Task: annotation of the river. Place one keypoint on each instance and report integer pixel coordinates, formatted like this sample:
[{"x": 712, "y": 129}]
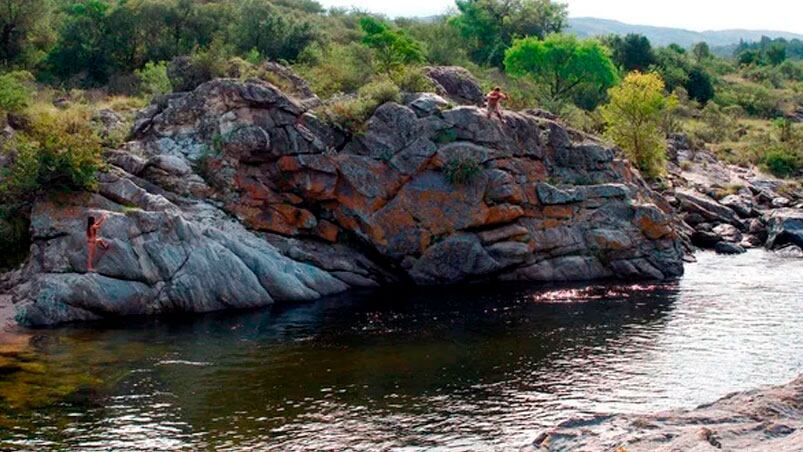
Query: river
[{"x": 474, "y": 368}]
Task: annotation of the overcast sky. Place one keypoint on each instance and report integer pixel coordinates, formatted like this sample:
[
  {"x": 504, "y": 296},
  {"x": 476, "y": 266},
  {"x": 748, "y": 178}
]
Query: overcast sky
[{"x": 699, "y": 15}]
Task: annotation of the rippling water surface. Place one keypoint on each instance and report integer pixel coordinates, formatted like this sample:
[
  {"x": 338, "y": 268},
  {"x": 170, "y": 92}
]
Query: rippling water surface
[{"x": 482, "y": 368}]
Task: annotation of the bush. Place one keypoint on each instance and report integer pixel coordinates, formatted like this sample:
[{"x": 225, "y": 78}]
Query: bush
[
  {"x": 60, "y": 151},
  {"x": 461, "y": 169},
  {"x": 782, "y": 161},
  {"x": 336, "y": 68},
  {"x": 756, "y": 100},
  {"x": 153, "y": 79},
  {"x": 16, "y": 89},
  {"x": 412, "y": 79},
  {"x": 352, "y": 113}
]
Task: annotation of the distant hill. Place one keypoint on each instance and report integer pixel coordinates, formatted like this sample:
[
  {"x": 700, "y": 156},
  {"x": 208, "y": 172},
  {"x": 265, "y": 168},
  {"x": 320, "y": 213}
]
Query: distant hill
[{"x": 663, "y": 36}]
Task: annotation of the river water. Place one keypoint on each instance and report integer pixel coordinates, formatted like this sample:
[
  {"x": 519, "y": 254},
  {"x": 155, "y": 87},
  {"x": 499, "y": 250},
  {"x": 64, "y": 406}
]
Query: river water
[{"x": 479, "y": 368}]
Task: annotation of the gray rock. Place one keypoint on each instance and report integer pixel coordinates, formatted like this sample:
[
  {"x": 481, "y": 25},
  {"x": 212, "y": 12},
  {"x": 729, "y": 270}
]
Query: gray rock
[
  {"x": 728, "y": 233},
  {"x": 456, "y": 83},
  {"x": 427, "y": 104},
  {"x": 741, "y": 205},
  {"x": 785, "y": 227},
  {"x": 728, "y": 248}
]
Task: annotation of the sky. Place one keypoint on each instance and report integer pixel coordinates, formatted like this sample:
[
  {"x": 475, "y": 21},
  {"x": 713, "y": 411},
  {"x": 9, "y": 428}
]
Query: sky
[{"x": 698, "y": 15}]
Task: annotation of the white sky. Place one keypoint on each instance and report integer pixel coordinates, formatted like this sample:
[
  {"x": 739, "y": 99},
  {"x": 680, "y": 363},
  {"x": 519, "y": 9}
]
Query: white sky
[{"x": 699, "y": 15}]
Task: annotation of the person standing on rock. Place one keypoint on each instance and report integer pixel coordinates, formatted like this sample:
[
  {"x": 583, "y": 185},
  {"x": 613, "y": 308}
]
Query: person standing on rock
[
  {"x": 493, "y": 99},
  {"x": 92, "y": 240}
]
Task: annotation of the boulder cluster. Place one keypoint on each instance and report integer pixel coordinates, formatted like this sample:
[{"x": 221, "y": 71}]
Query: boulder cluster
[
  {"x": 237, "y": 194},
  {"x": 730, "y": 209}
]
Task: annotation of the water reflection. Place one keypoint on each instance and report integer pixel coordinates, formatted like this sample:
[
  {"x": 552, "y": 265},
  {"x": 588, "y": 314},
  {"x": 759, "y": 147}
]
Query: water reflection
[{"x": 480, "y": 367}]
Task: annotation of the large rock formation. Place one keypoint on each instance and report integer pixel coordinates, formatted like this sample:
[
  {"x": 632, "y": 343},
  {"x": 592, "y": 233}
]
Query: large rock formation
[{"x": 234, "y": 195}]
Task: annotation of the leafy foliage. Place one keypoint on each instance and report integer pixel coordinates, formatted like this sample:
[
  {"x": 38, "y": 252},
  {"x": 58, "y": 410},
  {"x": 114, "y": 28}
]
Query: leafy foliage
[
  {"x": 153, "y": 79},
  {"x": 631, "y": 53},
  {"x": 392, "y": 49},
  {"x": 489, "y": 27},
  {"x": 563, "y": 64},
  {"x": 59, "y": 151},
  {"x": 634, "y": 115},
  {"x": 15, "y": 90},
  {"x": 351, "y": 113},
  {"x": 461, "y": 169}
]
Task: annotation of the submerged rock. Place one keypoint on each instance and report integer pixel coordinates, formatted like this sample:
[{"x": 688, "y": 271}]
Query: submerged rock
[{"x": 235, "y": 195}]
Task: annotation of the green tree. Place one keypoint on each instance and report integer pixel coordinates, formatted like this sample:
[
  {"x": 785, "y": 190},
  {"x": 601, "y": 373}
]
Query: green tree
[
  {"x": 565, "y": 65},
  {"x": 699, "y": 85},
  {"x": 776, "y": 54},
  {"x": 634, "y": 116},
  {"x": 392, "y": 49},
  {"x": 24, "y": 30},
  {"x": 490, "y": 26},
  {"x": 631, "y": 53},
  {"x": 701, "y": 52},
  {"x": 275, "y": 35},
  {"x": 16, "y": 89},
  {"x": 81, "y": 42}
]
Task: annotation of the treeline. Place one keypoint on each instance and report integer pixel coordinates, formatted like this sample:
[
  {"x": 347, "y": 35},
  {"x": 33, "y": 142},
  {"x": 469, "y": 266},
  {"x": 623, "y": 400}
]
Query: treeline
[{"x": 124, "y": 46}]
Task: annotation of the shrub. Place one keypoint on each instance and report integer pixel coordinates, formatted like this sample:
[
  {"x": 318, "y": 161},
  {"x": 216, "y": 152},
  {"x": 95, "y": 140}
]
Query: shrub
[
  {"x": 412, "y": 79},
  {"x": 461, "y": 169},
  {"x": 782, "y": 161},
  {"x": 756, "y": 100},
  {"x": 335, "y": 68},
  {"x": 60, "y": 151},
  {"x": 16, "y": 89},
  {"x": 352, "y": 112},
  {"x": 153, "y": 79}
]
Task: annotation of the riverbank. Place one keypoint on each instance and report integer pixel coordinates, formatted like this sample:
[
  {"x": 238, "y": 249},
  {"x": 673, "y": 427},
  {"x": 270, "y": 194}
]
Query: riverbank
[{"x": 767, "y": 419}]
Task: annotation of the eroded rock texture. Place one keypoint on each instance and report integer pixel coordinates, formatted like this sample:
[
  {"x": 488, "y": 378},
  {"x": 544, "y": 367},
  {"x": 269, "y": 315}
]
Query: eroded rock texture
[{"x": 234, "y": 195}]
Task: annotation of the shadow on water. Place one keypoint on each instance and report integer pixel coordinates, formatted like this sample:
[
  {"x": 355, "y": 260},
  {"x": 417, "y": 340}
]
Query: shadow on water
[{"x": 397, "y": 353}]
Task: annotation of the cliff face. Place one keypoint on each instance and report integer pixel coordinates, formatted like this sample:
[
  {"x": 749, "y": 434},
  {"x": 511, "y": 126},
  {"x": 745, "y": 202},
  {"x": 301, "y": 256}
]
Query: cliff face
[{"x": 234, "y": 195}]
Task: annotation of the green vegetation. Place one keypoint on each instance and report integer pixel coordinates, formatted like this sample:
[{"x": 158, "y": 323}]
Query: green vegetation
[
  {"x": 564, "y": 65},
  {"x": 15, "y": 91},
  {"x": 461, "y": 169},
  {"x": 634, "y": 115}
]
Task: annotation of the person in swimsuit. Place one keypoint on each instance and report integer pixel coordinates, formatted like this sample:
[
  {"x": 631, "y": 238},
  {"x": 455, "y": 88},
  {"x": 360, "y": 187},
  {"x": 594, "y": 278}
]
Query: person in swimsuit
[
  {"x": 494, "y": 98},
  {"x": 93, "y": 241}
]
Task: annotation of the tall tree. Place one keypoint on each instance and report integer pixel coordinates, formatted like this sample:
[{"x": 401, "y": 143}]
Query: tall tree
[
  {"x": 564, "y": 64},
  {"x": 392, "y": 48},
  {"x": 490, "y": 26},
  {"x": 23, "y": 30},
  {"x": 701, "y": 52},
  {"x": 631, "y": 53},
  {"x": 634, "y": 116}
]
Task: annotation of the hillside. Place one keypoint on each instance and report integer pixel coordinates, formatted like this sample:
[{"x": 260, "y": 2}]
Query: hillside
[{"x": 663, "y": 36}]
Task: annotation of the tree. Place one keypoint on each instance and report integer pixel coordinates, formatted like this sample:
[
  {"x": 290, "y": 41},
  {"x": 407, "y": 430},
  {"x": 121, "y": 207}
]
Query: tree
[
  {"x": 564, "y": 64},
  {"x": 701, "y": 52},
  {"x": 631, "y": 53},
  {"x": 275, "y": 35},
  {"x": 24, "y": 30},
  {"x": 634, "y": 116},
  {"x": 776, "y": 54},
  {"x": 392, "y": 49},
  {"x": 490, "y": 26},
  {"x": 699, "y": 85}
]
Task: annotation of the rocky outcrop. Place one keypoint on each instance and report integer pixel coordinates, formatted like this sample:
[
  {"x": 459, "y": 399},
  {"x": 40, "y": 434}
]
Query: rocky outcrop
[
  {"x": 456, "y": 83},
  {"x": 767, "y": 420},
  {"x": 235, "y": 195},
  {"x": 728, "y": 208}
]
